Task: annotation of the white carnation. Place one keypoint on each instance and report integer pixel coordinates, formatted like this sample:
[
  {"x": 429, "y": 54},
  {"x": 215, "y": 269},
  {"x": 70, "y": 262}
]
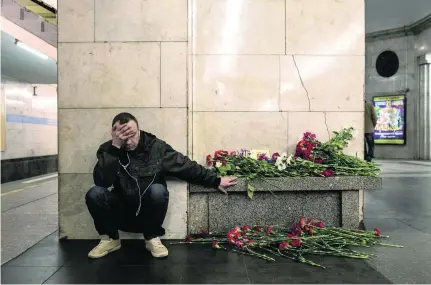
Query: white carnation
[
  {"x": 289, "y": 159},
  {"x": 279, "y": 161},
  {"x": 281, "y": 166}
]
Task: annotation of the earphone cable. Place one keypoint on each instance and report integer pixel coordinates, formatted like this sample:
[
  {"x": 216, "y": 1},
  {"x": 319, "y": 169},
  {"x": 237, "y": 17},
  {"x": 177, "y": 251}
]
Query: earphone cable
[{"x": 137, "y": 183}]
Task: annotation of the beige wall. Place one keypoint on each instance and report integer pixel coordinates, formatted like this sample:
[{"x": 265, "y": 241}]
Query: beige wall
[
  {"x": 37, "y": 134},
  {"x": 203, "y": 75}
]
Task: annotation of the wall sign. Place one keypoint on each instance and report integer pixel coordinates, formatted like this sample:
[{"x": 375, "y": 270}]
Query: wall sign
[
  {"x": 255, "y": 153},
  {"x": 391, "y": 120}
]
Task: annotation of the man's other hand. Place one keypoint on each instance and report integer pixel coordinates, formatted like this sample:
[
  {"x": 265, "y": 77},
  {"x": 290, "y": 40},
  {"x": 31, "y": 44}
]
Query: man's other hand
[{"x": 225, "y": 183}]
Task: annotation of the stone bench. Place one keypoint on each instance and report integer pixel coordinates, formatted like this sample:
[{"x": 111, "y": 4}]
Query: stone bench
[{"x": 338, "y": 201}]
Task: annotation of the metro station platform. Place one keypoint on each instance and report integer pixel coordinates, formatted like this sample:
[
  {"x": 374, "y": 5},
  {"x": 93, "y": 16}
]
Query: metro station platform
[{"x": 31, "y": 252}]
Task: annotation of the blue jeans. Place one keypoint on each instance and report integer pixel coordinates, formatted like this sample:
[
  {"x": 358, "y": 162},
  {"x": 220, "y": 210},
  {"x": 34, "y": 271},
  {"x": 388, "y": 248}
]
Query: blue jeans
[{"x": 111, "y": 213}]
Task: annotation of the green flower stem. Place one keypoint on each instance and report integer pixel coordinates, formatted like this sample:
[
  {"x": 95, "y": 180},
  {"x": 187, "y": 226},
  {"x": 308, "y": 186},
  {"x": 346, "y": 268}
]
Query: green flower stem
[
  {"x": 355, "y": 232},
  {"x": 248, "y": 253},
  {"x": 191, "y": 242},
  {"x": 348, "y": 235},
  {"x": 331, "y": 251},
  {"x": 296, "y": 258},
  {"x": 302, "y": 259},
  {"x": 260, "y": 255},
  {"x": 391, "y": 245},
  {"x": 363, "y": 256},
  {"x": 324, "y": 241},
  {"x": 338, "y": 250}
]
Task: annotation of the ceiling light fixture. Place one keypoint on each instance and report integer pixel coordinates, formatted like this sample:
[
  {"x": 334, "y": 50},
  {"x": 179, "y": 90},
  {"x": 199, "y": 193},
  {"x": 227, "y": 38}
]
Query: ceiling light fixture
[{"x": 29, "y": 49}]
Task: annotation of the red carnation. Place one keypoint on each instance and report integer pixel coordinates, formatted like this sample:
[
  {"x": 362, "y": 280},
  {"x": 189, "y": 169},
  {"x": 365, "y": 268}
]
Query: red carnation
[
  {"x": 257, "y": 228},
  {"x": 262, "y": 156},
  {"x": 223, "y": 162},
  {"x": 220, "y": 154},
  {"x": 319, "y": 224},
  {"x": 189, "y": 238},
  {"x": 302, "y": 222},
  {"x": 304, "y": 149},
  {"x": 289, "y": 236},
  {"x": 309, "y": 135},
  {"x": 215, "y": 244},
  {"x": 208, "y": 160},
  {"x": 232, "y": 234},
  {"x": 310, "y": 230},
  {"x": 245, "y": 228},
  {"x": 295, "y": 243},
  {"x": 318, "y": 160},
  {"x": 377, "y": 231},
  {"x": 268, "y": 230},
  {"x": 283, "y": 245},
  {"x": 274, "y": 156},
  {"x": 297, "y": 231},
  {"x": 328, "y": 173}
]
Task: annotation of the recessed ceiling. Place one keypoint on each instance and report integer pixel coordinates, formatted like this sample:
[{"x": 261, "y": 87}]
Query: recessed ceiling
[
  {"x": 40, "y": 8},
  {"x": 24, "y": 65},
  {"x": 388, "y": 14}
]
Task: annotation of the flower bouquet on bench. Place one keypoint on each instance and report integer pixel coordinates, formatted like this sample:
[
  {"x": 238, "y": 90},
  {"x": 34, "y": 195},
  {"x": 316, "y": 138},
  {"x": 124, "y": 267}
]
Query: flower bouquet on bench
[{"x": 311, "y": 158}]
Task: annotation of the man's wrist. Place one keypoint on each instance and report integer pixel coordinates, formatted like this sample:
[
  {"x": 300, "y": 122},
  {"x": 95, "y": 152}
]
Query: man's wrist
[
  {"x": 217, "y": 182},
  {"x": 117, "y": 145},
  {"x": 114, "y": 150}
]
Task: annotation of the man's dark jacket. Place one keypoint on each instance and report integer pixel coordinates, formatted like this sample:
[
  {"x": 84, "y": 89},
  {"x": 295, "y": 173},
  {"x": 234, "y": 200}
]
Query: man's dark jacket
[{"x": 149, "y": 163}]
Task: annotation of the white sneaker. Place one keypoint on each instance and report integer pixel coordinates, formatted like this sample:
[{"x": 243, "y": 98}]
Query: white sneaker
[
  {"x": 105, "y": 246},
  {"x": 156, "y": 247}
]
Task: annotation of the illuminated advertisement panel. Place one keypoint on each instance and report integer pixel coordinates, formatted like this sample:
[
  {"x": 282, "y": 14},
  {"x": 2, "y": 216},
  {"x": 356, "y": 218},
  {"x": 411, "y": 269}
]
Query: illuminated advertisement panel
[{"x": 391, "y": 120}]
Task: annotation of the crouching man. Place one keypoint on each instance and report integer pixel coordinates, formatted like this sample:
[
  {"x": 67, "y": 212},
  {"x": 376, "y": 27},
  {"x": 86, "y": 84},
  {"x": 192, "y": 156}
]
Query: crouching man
[{"x": 134, "y": 163}]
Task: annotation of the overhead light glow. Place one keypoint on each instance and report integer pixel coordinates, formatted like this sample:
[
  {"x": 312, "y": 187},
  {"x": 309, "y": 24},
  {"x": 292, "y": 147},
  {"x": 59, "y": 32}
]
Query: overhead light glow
[{"x": 29, "y": 49}]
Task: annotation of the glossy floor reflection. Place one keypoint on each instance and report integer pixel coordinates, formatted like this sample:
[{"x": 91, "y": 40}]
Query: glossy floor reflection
[
  {"x": 401, "y": 210},
  {"x": 67, "y": 262},
  {"x": 29, "y": 212}
]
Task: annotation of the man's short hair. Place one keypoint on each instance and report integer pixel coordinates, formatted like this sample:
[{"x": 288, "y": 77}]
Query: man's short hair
[{"x": 124, "y": 118}]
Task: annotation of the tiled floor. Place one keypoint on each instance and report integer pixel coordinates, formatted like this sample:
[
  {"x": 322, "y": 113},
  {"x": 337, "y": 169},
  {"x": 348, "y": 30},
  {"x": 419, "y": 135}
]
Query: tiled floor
[
  {"x": 29, "y": 213},
  {"x": 67, "y": 262},
  {"x": 401, "y": 209}
]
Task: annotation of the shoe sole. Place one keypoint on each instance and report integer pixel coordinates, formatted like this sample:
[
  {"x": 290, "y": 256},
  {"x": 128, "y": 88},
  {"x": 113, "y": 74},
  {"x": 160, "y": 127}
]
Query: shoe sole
[
  {"x": 106, "y": 252},
  {"x": 157, "y": 256}
]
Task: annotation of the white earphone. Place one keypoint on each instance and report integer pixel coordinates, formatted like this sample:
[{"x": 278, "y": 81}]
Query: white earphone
[{"x": 137, "y": 183}]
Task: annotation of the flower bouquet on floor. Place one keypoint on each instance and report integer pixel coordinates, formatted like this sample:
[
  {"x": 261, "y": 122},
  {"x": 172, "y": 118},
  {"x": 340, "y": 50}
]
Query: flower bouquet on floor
[{"x": 307, "y": 237}]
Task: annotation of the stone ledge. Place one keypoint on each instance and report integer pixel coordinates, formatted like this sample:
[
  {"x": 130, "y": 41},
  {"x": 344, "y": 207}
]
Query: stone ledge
[{"x": 341, "y": 183}]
